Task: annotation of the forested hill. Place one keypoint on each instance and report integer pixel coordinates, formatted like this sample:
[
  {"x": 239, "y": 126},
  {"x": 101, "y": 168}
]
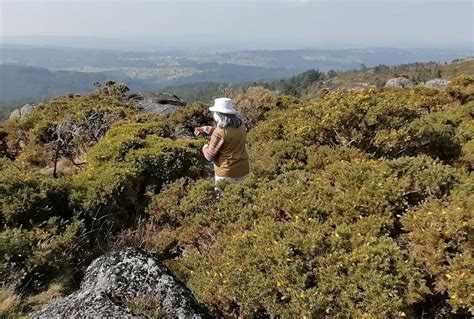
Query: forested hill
[
  {"x": 308, "y": 84},
  {"x": 358, "y": 205},
  {"x": 19, "y": 82}
]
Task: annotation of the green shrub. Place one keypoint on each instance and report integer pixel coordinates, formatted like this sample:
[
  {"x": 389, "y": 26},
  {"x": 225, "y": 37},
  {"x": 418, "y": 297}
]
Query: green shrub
[
  {"x": 467, "y": 157},
  {"x": 185, "y": 119},
  {"x": 28, "y": 198},
  {"x": 180, "y": 199},
  {"x": 66, "y": 126},
  {"x": 292, "y": 269},
  {"x": 385, "y": 123},
  {"x": 462, "y": 88},
  {"x": 320, "y": 157},
  {"x": 375, "y": 280},
  {"x": 315, "y": 243},
  {"x": 58, "y": 244},
  {"x": 277, "y": 157},
  {"x": 439, "y": 235},
  {"x": 125, "y": 164},
  {"x": 358, "y": 205},
  {"x": 252, "y": 104},
  {"x": 32, "y": 258},
  {"x": 15, "y": 248}
]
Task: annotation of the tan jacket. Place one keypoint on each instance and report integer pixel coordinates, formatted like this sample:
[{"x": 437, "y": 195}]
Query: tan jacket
[{"x": 232, "y": 159}]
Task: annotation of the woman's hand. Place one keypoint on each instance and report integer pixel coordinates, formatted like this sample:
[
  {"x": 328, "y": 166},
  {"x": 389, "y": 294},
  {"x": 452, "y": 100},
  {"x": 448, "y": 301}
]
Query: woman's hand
[{"x": 203, "y": 129}]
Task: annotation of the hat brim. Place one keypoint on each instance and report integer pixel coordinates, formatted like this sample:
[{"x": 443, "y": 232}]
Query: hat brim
[{"x": 214, "y": 109}]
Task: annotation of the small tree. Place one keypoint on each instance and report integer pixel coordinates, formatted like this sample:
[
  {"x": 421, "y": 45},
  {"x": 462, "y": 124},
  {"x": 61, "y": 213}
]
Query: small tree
[{"x": 60, "y": 137}]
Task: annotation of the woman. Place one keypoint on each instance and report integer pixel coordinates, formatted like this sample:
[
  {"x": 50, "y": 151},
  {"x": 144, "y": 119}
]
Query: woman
[{"x": 227, "y": 145}]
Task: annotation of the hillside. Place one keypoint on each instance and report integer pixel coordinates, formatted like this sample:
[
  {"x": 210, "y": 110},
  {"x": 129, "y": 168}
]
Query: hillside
[
  {"x": 65, "y": 70},
  {"x": 308, "y": 84},
  {"x": 21, "y": 82},
  {"x": 359, "y": 203},
  {"x": 417, "y": 72}
]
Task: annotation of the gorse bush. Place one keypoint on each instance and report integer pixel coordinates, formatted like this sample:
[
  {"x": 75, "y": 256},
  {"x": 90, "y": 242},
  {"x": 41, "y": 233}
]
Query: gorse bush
[
  {"x": 28, "y": 198},
  {"x": 278, "y": 156},
  {"x": 388, "y": 123},
  {"x": 52, "y": 224},
  {"x": 323, "y": 227},
  {"x": 358, "y": 205},
  {"x": 252, "y": 104},
  {"x": 439, "y": 234},
  {"x": 306, "y": 243},
  {"x": 65, "y": 127},
  {"x": 186, "y": 119},
  {"x": 255, "y": 253}
]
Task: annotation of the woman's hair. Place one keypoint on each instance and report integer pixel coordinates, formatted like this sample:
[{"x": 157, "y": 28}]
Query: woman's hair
[{"x": 225, "y": 120}]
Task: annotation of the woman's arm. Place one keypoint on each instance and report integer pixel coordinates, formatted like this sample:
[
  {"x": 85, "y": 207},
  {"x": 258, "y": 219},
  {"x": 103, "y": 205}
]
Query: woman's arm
[
  {"x": 211, "y": 150},
  {"x": 203, "y": 129}
]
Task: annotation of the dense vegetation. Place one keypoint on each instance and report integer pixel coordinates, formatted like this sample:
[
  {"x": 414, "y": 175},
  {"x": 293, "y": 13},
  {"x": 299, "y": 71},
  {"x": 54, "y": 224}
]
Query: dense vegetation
[{"x": 359, "y": 203}]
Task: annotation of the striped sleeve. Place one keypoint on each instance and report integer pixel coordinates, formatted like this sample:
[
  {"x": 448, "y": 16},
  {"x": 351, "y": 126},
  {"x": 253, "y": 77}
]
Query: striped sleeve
[
  {"x": 209, "y": 130},
  {"x": 215, "y": 145}
]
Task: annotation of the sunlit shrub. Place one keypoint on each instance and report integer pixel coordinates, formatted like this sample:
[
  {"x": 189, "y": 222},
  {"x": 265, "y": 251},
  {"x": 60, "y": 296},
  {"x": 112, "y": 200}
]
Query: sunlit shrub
[
  {"x": 292, "y": 269},
  {"x": 303, "y": 243},
  {"x": 129, "y": 161},
  {"x": 320, "y": 157},
  {"x": 439, "y": 235},
  {"x": 252, "y": 104},
  {"x": 185, "y": 119},
  {"x": 385, "y": 123},
  {"x": 276, "y": 157},
  {"x": 462, "y": 88},
  {"x": 180, "y": 199}
]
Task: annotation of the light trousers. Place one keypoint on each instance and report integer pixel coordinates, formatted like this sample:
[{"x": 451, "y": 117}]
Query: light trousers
[{"x": 217, "y": 179}]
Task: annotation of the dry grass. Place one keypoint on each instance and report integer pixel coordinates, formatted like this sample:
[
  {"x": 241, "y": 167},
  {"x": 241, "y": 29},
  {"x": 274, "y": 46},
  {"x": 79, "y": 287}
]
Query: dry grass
[
  {"x": 9, "y": 303},
  {"x": 453, "y": 70},
  {"x": 148, "y": 306},
  {"x": 54, "y": 291},
  {"x": 145, "y": 235},
  {"x": 14, "y": 306}
]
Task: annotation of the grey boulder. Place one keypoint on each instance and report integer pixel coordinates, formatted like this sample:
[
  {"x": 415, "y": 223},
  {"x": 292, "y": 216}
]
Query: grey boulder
[
  {"x": 400, "y": 82},
  {"x": 114, "y": 281},
  {"x": 157, "y": 103},
  {"x": 15, "y": 114},
  {"x": 23, "y": 111},
  {"x": 437, "y": 83}
]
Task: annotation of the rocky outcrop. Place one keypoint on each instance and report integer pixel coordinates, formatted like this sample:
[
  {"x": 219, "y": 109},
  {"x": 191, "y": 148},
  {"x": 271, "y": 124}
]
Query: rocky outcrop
[
  {"x": 400, "y": 82},
  {"x": 15, "y": 114},
  {"x": 157, "y": 103},
  {"x": 437, "y": 83},
  {"x": 114, "y": 282},
  {"x": 23, "y": 111}
]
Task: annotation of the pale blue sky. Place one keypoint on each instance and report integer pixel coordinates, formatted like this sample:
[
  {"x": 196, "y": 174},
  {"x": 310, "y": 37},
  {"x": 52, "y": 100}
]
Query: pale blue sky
[{"x": 288, "y": 23}]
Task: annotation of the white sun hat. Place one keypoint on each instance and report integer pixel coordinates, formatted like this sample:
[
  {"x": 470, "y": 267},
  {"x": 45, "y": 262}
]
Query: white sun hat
[{"x": 223, "y": 105}]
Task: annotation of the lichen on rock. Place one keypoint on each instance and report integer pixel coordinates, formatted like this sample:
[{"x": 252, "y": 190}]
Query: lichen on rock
[{"x": 113, "y": 281}]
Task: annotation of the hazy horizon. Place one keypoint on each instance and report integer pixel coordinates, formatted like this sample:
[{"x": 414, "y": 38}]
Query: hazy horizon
[{"x": 232, "y": 25}]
